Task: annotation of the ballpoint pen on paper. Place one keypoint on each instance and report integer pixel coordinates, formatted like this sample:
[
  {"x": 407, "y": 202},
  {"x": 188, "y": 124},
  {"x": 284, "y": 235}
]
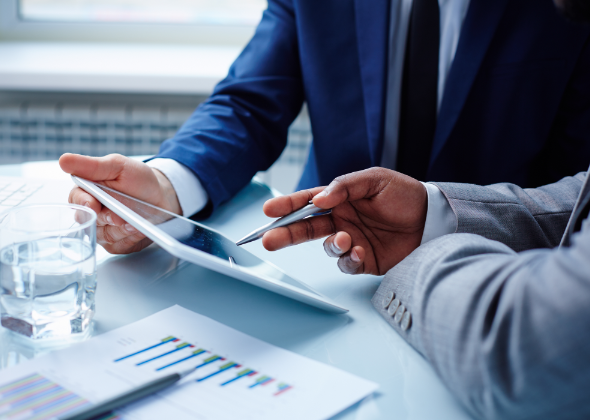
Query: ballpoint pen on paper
[
  {"x": 128, "y": 397},
  {"x": 308, "y": 211}
]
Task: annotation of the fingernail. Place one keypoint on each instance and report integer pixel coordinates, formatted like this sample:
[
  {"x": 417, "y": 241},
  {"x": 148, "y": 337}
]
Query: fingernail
[
  {"x": 109, "y": 219},
  {"x": 354, "y": 256},
  {"x": 335, "y": 248},
  {"x": 129, "y": 228},
  {"x": 323, "y": 193},
  {"x": 87, "y": 204}
]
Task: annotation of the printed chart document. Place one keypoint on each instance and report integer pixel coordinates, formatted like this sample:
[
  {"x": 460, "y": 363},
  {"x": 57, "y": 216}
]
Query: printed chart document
[{"x": 236, "y": 376}]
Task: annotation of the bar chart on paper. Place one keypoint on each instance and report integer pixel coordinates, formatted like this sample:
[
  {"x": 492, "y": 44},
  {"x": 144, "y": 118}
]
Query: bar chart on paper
[
  {"x": 247, "y": 387},
  {"x": 232, "y": 375},
  {"x": 36, "y": 397}
]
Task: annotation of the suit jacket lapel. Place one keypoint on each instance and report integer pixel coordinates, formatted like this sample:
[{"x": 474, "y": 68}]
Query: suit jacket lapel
[
  {"x": 481, "y": 21},
  {"x": 372, "y": 28}
]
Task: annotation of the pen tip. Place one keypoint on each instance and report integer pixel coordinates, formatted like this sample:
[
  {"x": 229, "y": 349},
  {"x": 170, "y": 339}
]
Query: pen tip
[
  {"x": 246, "y": 240},
  {"x": 243, "y": 241}
]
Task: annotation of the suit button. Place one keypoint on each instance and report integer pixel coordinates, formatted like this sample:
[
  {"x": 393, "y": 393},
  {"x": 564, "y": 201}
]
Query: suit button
[
  {"x": 399, "y": 314},
  {"x": 406, "y": 321},
  {"x": 387, "y": 299},
  {"x": 393, "y": 307}
]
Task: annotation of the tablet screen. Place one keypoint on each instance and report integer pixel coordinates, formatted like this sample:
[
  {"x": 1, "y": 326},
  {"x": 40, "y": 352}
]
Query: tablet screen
[{"x": 198, "y": 236}]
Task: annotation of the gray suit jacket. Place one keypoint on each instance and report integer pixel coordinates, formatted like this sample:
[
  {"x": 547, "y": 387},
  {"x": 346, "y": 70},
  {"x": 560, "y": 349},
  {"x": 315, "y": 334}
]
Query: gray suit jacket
[{"x": 508, "y": 332}]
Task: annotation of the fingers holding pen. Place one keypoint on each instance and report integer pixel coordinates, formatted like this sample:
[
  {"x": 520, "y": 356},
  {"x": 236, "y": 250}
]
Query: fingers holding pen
[
  {"x": 303, "y": 231},
  {"x": 287, "y": 204}
]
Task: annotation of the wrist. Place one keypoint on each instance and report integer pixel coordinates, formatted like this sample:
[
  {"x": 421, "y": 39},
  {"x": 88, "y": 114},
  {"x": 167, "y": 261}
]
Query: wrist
[
  {"x": 421, "y": 214},
  {"x": 417, "y": 204},
  {"x": 169, "y": 197}
]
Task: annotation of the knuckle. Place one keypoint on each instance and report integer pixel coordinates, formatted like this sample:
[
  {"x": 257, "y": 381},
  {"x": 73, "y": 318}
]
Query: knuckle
[
  {"x": 342, "y": 183},
  {"x": 111, "y": 248},
  {"x": 107, "y": 235},
  {"x": 116, "y": 157},
  {"x": 128, "y": 242},
  {"x": 309, "y": 230},
  {"x": 339, "y": 180},
  {"x": 291, "y": 240}
]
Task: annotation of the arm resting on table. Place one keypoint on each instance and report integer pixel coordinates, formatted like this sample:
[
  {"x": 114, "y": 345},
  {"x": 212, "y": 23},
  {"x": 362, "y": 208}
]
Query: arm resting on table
[{"x": 506, "y": 332}]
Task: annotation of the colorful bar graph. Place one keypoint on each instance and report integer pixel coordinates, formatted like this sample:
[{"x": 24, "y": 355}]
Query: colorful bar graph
[
  {"x": 178, "y": 348},
  {"x": 241, "y": 374},
  {"x": 37, "y": 398},
  {"x": 164, "y": 341},
  {"x": 193, "y": 354},
  {"x": 222, "y": 368},
  {"x": 263, "y": 380},
  {"x": 283, "y": 387},
  {"x": 210, "y": 360}
]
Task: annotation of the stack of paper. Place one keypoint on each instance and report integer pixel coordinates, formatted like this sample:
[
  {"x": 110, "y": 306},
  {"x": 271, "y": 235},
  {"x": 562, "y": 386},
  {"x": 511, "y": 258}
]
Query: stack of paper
[{"x": 236, "y": 376}]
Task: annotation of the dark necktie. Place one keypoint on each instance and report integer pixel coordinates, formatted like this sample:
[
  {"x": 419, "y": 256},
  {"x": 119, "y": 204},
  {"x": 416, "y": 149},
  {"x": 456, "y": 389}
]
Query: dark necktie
[{"x": 419, "y": 90}]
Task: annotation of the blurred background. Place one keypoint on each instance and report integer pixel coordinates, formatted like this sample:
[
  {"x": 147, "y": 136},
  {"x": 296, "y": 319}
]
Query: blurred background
[{"x": 120, "y": 76}]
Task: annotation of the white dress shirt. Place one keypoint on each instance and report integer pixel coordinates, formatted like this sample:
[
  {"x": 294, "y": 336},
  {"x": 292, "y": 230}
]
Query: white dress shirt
[{"x": 440, "y": 219}]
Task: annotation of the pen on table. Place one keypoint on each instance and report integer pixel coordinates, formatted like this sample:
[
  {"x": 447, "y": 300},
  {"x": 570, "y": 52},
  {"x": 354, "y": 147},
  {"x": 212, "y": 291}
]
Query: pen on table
[
  {"x": 128, "y": 397},
  {"x": 308, "y": 211}
]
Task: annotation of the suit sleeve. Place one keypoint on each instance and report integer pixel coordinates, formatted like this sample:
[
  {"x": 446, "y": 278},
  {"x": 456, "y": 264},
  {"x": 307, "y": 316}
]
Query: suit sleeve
[
  {"x": 520, "y": 218},
  {"x": 242, "y": 128},
  {"x": 506, "y": 332}
]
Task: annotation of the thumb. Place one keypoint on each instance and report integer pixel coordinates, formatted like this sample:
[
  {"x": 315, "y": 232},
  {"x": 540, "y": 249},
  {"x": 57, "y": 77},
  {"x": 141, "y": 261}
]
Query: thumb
[
  {"x": 121, "y": 173},
  {"x": 355, "y": 186},
  {"x": 93, "y": 168}
]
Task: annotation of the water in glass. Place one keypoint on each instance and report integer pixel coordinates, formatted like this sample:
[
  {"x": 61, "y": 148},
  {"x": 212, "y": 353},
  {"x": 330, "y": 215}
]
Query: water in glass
[{"x": 48, "y": 285}]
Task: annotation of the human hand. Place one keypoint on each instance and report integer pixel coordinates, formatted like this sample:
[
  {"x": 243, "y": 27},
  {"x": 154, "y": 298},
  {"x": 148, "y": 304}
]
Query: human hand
[
  {"x": 377, "y": 219},
  {"x": 128, "y": 176}
]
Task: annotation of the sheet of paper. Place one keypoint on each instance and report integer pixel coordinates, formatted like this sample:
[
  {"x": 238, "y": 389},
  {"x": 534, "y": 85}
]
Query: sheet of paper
[{"x": 236, "y": 376}]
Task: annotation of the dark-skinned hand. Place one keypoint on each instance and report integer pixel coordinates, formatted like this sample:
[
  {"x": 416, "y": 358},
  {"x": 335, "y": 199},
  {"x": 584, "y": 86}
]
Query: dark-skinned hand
[{"x": 377, "y": 219}]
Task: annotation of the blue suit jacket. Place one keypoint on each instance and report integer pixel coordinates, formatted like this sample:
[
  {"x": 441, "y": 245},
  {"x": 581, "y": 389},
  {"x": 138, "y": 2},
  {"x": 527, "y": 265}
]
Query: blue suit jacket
[{"x": 516, "y": 106}]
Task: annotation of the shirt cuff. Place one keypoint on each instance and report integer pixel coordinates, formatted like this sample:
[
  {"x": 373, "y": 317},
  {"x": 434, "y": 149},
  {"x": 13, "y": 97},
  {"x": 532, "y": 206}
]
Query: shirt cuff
[
  {"x": 440, "y": 218},
  {"x": 189, "y": 190}
]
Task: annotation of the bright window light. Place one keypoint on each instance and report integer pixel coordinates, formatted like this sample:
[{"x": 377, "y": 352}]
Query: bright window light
[{"x": 227, "y": 12}]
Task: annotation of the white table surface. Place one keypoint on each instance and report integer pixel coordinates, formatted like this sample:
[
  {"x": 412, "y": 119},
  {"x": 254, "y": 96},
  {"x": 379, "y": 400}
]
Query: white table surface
[{"x": 361, "y": 342}]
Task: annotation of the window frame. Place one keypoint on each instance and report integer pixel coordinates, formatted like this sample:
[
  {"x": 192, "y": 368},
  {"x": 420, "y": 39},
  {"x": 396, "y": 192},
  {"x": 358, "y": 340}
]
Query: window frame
[{"x": 13, "y": 28}]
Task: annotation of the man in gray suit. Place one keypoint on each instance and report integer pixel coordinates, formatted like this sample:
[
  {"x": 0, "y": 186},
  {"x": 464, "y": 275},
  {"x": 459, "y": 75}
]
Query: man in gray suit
[
  {"x": 506, "y": 331},
  {"x": 500, "y": 308}
]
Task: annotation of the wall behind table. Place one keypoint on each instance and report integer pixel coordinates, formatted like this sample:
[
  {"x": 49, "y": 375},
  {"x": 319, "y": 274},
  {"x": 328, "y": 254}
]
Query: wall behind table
[{"x": 43, "y": 126}]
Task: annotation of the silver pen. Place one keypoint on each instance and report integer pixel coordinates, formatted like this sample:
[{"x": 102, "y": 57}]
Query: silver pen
[{"x": 308, "y": 211}]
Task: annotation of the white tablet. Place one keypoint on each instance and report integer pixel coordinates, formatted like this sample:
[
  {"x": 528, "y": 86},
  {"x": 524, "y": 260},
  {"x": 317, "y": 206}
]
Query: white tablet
[{"x": 198, "y": 244}]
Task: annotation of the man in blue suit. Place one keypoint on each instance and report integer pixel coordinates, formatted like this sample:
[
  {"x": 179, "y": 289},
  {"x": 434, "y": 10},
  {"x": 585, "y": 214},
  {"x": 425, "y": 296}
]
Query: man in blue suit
[{"x": 504, "y": 98}]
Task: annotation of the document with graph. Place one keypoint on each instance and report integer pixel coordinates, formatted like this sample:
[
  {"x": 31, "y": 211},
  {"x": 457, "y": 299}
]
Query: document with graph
[{"x": 236, "y": 376}]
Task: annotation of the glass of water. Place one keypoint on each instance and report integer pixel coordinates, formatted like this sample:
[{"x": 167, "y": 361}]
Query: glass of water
[{"x": 47, "y": 270}]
